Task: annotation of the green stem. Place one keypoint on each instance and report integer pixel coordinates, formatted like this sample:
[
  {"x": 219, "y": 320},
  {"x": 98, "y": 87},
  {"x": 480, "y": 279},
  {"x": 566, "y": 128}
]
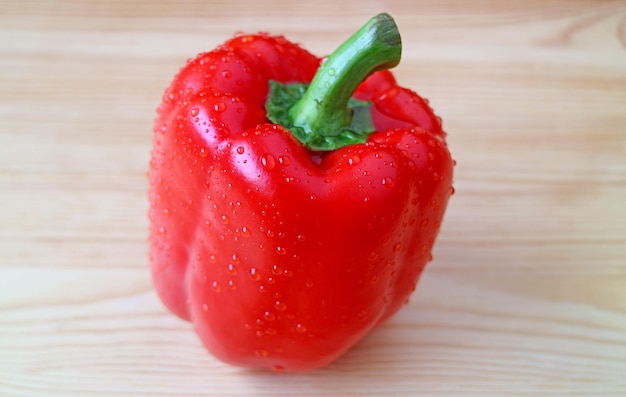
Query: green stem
[{"x": 323, "y": 109}]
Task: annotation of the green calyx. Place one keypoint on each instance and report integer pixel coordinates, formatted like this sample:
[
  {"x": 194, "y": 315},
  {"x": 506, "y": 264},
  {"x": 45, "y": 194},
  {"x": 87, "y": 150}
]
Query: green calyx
[{"x": 323, "y": 115}]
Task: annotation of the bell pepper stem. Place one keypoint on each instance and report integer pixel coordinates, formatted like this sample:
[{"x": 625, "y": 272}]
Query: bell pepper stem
[{"x": 323, "y": 109}]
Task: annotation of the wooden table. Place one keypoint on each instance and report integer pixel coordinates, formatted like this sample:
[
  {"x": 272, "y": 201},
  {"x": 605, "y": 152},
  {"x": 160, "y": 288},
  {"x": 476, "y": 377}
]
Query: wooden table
[{"x": 527, "y": 292}]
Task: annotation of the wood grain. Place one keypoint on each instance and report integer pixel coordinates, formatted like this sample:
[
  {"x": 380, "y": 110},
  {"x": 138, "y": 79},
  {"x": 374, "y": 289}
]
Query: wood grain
[{"x": 527, "y": 292}]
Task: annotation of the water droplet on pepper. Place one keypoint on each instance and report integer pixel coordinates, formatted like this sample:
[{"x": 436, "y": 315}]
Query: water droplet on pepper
[
  {"x": 232, "y": 269},
  {"x": 268, "y": 162},
  {"x": 254, "y": 274},
  {"x": 387, "y": 181},
  {"x": 354, "y": 160},
  {"x": 284, "y": 160},
  {"x": 219, "y": 107}
]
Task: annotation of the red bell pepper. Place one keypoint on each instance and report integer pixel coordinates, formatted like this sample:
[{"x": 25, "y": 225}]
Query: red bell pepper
[{"x": 294, "y": 201}]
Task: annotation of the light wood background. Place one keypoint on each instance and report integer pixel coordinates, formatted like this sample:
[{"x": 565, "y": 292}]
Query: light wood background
[{"x": 527, "y": 292}]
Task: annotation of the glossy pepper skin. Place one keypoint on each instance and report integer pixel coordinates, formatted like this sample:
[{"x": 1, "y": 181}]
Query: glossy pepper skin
[{"x": 284, "y": 257}]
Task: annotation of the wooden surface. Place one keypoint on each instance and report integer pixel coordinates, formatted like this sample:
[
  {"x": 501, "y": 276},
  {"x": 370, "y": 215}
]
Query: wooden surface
[{"x": 527, "y": 292}]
